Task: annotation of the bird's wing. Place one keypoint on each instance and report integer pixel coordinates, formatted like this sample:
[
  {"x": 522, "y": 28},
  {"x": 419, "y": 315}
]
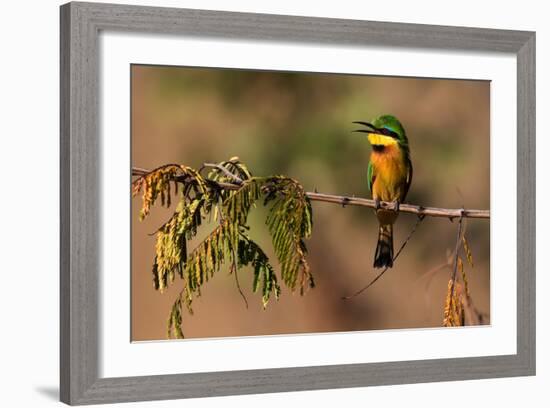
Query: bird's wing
[
  {"x": 370, "y": 176},
  {"x": 408, "y": 181}
]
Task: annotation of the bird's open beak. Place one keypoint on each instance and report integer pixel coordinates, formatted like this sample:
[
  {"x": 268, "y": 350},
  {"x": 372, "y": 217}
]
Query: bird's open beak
[
  {"x": 376, "y": 137},
  {"x": 371, "y": 130}
]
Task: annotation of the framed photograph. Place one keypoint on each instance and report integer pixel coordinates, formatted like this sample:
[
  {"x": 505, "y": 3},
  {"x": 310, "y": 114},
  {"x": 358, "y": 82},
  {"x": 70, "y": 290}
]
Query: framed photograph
[{"x": 260, "y": 203}]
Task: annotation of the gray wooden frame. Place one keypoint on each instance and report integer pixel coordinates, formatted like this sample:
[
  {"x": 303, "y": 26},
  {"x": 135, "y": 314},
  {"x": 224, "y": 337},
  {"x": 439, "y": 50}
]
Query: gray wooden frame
[{"x": 80, "y": 234}]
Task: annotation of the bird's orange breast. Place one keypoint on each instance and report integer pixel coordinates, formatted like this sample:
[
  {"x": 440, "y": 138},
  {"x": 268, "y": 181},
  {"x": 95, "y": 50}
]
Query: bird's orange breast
[{"x": 390, "y": 169}]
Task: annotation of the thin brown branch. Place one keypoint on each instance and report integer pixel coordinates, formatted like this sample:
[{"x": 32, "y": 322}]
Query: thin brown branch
[
  {"x": 406, "y": 208},
  {"x": 455, "y": 261},
  {"x": 237, "y": 179},
  {"x": 364, "y": 288},
  {"x": 137, "y": 171},
  {"x": 234, "y": 270},
  {"x": 430, "y": 276},
  {"x": 365, "y": 202},
  {"x": 431, "y": 273}
]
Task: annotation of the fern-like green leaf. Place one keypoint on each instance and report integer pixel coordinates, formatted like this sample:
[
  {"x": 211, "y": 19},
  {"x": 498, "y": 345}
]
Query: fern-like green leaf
[
  {"x": 171, "y": 246},
  {"x": 250, "y": 253},
  {"x": 239, "y": 202},
  {"x": 210, "y": 254},
  {"x": 290, "y": 222},
  {"x": 226, "y": 195}
]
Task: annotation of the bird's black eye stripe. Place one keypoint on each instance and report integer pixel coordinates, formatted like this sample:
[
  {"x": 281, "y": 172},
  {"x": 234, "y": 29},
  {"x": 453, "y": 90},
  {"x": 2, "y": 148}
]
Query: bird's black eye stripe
[
  {"x": 381, "y": 131},
  {"x": 387, "y": 132}
]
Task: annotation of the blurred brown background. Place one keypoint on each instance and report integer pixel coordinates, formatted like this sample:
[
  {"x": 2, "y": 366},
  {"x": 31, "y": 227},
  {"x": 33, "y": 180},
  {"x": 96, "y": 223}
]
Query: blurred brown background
[{"x": 299, "y": 125}]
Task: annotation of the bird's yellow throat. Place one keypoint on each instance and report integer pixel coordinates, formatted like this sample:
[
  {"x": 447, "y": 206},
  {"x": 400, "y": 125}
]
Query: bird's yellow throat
[{"x": 381, "y": 140}]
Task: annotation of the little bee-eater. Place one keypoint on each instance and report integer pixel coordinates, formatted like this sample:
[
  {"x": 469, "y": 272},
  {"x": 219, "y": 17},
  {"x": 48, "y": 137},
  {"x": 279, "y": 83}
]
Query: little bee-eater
[{"x": 389, "y": 177}]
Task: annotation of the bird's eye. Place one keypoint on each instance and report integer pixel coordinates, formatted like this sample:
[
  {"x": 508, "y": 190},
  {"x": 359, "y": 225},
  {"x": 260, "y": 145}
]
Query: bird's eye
[{"x": 388, "y": 132}]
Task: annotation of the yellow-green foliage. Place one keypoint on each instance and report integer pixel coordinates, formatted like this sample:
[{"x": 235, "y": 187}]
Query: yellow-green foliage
[
  {"x": 289, "y": 222},
  {"x": 459, "y": 293},
  {"x": 249, "y": 253},
  {"x": 453, "y": 314},
  {"x": 227, "y": 194}
]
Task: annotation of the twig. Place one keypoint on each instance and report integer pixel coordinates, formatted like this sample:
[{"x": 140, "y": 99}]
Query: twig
[
  {"x": 431, "y": 273},
  {"x": 406, "y": 208},
  {"x": 418, "y": 221},
  {"x": 471, "y": 314},
  {"x": 363, "y": 202},
  {"x": 237, "y": 179},
  {"x": 234, "y": 270},
  {"x": 455, "y": 261},
  {"x": 139, "y": 172}
]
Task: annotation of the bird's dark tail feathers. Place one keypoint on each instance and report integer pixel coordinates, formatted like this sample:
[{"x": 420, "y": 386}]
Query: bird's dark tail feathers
[{"x": 383, "y": 256}]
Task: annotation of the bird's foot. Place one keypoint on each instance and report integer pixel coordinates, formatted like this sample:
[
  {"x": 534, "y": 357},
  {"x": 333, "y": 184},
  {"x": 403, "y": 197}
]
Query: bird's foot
[
  {"x": 396, "y": 206},
  {"x": 376, "y": 203}
]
